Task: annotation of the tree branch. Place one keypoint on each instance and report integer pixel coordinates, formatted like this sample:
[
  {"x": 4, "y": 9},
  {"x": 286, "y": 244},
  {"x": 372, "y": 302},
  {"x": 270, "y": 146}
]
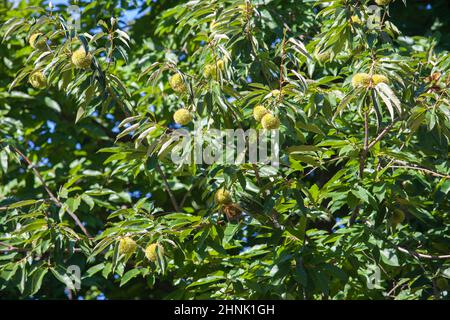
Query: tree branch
[
  {"x": 258, "y": 178},
  {"x": 49, "y": 192},
  {"x": 10, "y": 248},
  {"x": 382, "y": 134},
  {"x": 167, "y": 187},
  {"x": 395, "y": 287},
  {"x": 363, "y": 154},
  {"x": 412, "y": 167},
  {"x": 283, "y": 57},
  {"x": 421, "y": 255},
  {"x": 354, "y": 215}
]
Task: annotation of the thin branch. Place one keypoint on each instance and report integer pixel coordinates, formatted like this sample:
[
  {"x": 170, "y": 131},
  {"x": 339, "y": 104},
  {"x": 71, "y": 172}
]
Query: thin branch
[
  {"x": 186, "y": 195},
  {"x": 275, "y": 217},
  {"x": 354, "y": 215},
  {"x": 404, "y": 250},
  {"x": 421, "y": 255},
  {"x": 49, "y": 192},
  {"x": 382, "y": 134},
  {"x": 407, "y": 166},
  {"x": 258, "y": 177},
  {"x": 37, "y": 174},
  {"x": 311, "y": 171},
  {"x": 366, "y": 130},
  {"x": 10, "y": 248},
  {"x": 167, "y": 187},
  {"x": 395, "y": 287},
  {"x": 363, "y": 155},
  {"x": 283, "y": 57},
  {"x": 362, "y": 162}
]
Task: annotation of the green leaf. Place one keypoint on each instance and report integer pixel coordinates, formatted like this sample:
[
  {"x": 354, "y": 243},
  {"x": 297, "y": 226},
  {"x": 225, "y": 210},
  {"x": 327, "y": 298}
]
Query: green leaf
[
  {"x": 129, "y": 275},
  {"x": 389, "y": 256},
  {"x": 37, "y": 278},
  {"x": 230, "y": 230},
  {"x": 61, "y": 274},
  {"x": 22, "y": 204},
  {"x": 206, "y": 280},
  {"x": 52, "y": 104},
  {"x": 73, "y": 203}
]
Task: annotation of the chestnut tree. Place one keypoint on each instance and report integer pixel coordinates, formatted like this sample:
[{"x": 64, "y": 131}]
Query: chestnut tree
[{"x": 90, "y": 104}]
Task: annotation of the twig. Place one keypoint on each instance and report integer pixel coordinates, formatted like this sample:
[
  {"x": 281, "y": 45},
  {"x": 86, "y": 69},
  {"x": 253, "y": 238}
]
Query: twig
[
  {"x": 410, "y": 252},
  {"x": 167, "y": 187},
  {"x": 421, "y": 255},
  {"x": 49, "y": 192},
  {"x": 406, "y": 166},
  {"x": 366, "y": 130},
  {"x": 311, "y": 171},
  {"x": 382, "y": 134},
  {"x": 187, "y": 194},
  {"x": 38, "y": 174},
  {"x": 354, "y": 215},
  {"x": 258, "y": 177},
  {"x": 363, "y": 154},
  {"x": 395, "y": 287},
  {"x": 10, "y": 248},
  {"x": 275, "y": 217},
  {"x": 283, "y": 57}
]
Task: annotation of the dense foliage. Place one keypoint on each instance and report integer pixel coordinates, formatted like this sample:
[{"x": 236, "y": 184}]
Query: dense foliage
[{"x": 358, "y": 209}]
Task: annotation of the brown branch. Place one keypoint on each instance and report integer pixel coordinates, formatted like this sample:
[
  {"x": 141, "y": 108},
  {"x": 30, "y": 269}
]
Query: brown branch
[
  {"x": 412, "y": 167},
  {"x": 49, "y": 192},
  {"x": 258, "y": 177},
  {"x": 410, "y": 252},
  {"x": 121, "y": 104},
  {"x": 404, "y": 250},
  {"x": 10, "y": 248},
  {"x": 363, "y": 154},
  {"x": 354, "y": 215},
  {"x": 382, "y": 134},
  {"x": 395, "y": 287},
  {"x": 362, "y": 162},
  {"x": 275, "y": 217},
  {"x": 37, "y": 174},
  {"x": 167, "y": 187},
  {"x": 187, "y": 194},
  {"x": 283, "y": 57},
  {"x": 366, "y": 130},
  {"x": 422, "y": 255}
]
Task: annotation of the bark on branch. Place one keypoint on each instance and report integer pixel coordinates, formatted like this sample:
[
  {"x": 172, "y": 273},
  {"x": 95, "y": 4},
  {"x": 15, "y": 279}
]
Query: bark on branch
[
  {"x": 167, "y": 187},
  {"x": 53, "y": 198}
]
